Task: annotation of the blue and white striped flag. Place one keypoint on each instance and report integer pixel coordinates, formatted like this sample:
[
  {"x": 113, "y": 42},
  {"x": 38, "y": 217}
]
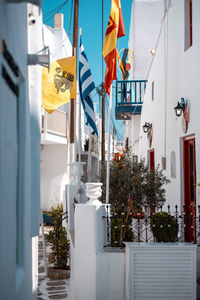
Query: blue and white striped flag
[{"x": 86, "y": 86}]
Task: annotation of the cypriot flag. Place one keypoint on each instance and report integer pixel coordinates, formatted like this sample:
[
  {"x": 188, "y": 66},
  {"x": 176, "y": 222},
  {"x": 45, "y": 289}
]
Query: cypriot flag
[{"x": 59, "y": 84}]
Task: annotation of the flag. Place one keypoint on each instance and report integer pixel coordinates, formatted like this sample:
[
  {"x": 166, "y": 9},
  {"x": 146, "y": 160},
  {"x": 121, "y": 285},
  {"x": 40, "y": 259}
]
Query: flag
[
  {"x": 115, "y": 29},
  {"x": 86, "y": 86},
  {"x": 59, "y": 84}
]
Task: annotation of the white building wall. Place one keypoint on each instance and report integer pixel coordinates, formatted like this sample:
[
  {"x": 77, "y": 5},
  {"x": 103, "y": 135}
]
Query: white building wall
[
  {"x": 175, "y": 73},
  {"x": 18, "y": 129},
  {"x": 53, "y": 166},
  {"x": 132, "y": 131},
  {"x": 145, "y": 25},
  {"x": 146, "y": 20},
  {"x": 110, "y": 275}
]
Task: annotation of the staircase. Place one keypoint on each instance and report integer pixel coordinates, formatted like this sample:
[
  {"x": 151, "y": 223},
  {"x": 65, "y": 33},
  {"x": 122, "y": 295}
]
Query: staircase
[{"x": 48, "y": 288}]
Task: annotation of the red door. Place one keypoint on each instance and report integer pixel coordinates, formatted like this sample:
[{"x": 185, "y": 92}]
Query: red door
[
  {"x": 151, "y": 160},
  {"x": 152, "y": 168},
  {"x": 189, "y": 166}
]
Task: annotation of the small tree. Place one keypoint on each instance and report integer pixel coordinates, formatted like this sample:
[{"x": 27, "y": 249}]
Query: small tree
[
  {"x": 133, "y": 181},
  {"x": 154, "y": 187}
]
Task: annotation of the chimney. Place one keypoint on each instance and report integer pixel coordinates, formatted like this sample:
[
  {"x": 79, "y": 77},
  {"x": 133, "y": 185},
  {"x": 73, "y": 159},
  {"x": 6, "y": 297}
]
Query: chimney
[{"x": 58, "y": 21}]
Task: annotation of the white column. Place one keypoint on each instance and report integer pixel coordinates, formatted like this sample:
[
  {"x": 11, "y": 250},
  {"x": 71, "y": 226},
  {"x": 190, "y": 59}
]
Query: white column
[{"x": 89, "y": 240}]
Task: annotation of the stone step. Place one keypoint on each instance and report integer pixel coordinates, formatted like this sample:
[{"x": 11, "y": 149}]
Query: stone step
[
  {"x": 56, "y": 288},
  {"x": 55, "y": 282},
  {"x": 61, "y": 296}
]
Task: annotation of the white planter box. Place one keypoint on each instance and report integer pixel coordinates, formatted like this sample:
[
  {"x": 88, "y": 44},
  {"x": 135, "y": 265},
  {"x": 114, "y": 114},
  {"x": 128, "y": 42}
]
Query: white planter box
[{"x": 160, "y": 271}]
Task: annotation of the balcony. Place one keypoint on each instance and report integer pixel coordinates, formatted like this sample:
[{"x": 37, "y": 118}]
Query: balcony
[
  {"x": 129, "y": 98},
  {"x": 54, "y": 127}
]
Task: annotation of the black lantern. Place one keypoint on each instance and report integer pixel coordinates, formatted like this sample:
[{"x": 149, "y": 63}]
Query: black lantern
[
  {"x": 146, "y": 127},
  {"x": 180, "y": 107}
]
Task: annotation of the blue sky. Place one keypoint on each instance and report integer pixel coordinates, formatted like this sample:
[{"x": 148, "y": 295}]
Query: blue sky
[{"x": 90, "y": 20}]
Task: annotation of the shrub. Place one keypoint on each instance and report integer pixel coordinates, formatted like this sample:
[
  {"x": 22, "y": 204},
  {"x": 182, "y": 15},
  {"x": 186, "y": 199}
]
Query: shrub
[
  {"x": 58, "y": 238},
  {"x": 120, "y": 234},
  {"x": 164, "y": 227}
]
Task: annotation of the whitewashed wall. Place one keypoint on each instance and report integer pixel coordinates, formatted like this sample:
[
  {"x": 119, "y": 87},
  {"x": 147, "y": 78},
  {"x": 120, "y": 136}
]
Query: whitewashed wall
[
  {"x": 18, "y": 201},
  {"x": 132, "y": 132},
  {"x": 145, "y": 25},
  {"x": 175, "y": 74},
  {"x": 110, "y": 275},
  {"x": 53, "y": 166},
  {"x": 146, "y": 20},
  {"x": 95, "y": 273}
]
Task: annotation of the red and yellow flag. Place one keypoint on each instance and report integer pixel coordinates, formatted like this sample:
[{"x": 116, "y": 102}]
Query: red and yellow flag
[{"x": 115, "y": 29}]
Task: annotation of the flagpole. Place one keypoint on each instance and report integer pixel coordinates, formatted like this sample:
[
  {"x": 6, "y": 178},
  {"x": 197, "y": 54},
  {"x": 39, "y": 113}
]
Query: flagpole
[
  {"x": 79, "y": 134},
  {"x": 79, "y": 128},
  {"x": 108, "y": 151},
  {"x": 89, "y": 158}
]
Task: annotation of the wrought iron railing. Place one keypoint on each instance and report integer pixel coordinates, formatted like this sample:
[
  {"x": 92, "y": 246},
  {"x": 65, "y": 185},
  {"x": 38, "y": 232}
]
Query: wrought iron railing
[{"x": 151, "y": 224}]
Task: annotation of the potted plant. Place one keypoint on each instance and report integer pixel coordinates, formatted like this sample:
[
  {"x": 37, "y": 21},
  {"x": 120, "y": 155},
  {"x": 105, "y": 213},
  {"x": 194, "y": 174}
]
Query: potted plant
[{"x": 60, "y": 246}]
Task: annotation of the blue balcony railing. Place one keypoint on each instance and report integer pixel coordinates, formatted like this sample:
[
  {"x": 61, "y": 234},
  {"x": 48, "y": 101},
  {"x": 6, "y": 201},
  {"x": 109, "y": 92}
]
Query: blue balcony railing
[{"x": 129, "y": 98}]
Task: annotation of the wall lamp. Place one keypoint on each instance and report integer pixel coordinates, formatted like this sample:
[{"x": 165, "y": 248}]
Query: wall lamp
[
  {"x": 180, "y": 107},
  {"x": 146, "y": 127}
]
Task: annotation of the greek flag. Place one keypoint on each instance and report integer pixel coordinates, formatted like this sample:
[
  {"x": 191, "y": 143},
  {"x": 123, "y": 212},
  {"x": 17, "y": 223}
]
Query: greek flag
[{"x": 86, "y": 86}]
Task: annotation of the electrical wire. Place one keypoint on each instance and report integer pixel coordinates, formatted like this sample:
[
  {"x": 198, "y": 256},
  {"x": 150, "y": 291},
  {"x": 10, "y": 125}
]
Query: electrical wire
[
  {"x": 50, "y": 12},
  {"x": 55, "y": 11},
  {"x": 70, "y": 21}
]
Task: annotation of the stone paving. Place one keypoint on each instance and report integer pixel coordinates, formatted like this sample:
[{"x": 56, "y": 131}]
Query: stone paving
[{"x": 47, "y": 288}]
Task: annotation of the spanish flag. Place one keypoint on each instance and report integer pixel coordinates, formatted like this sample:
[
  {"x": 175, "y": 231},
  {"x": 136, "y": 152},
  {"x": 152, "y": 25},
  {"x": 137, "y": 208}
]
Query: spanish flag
[
  {"x": 59, "y": 84},
  {"x": 115, "y": 29}
]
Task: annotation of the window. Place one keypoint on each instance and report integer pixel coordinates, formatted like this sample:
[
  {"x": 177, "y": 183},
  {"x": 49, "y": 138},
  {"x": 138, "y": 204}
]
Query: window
[{"x": 188, "y": 24}]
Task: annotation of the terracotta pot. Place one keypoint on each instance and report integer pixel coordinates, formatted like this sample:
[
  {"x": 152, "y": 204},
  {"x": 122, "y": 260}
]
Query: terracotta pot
[{"x": 54, "y": 273}]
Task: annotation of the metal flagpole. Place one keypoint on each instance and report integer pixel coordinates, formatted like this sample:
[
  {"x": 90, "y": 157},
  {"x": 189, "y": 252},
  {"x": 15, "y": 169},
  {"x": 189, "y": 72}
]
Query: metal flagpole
[
  {"x": 108, "y": 151},
  {"x": 79, "y": 127}
]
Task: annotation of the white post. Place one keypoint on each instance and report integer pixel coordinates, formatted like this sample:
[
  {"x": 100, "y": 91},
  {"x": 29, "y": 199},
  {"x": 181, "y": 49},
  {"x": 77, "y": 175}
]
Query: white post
[
  {"x": 89, "y": 240},
  {"x": 108, "y": 152}
]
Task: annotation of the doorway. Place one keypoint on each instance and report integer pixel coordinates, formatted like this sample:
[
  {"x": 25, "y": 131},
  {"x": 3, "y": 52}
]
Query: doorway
[{"x": 189, "y": 173}]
